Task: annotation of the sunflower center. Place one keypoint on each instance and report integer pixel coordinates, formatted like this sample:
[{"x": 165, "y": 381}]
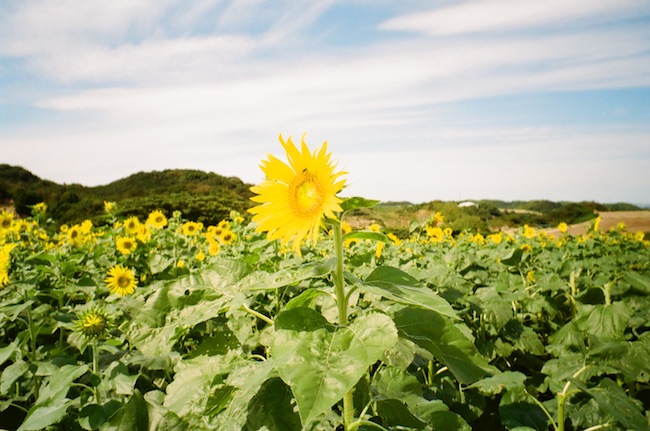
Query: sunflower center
[
  {"x": 306, "y": 195},
  {"x": 123, "y": 281}
]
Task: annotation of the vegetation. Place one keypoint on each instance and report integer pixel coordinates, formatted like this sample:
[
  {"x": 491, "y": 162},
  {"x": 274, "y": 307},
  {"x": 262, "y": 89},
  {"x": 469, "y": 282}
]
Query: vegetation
[
  {"x": 170, "y": 324},
  {"x": 204, "y": 197}
]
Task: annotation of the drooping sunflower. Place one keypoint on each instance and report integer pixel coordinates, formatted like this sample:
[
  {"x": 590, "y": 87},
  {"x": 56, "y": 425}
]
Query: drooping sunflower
[
  {"x": 120, "y": 281},
  {"x": 296, "y": 197},
  {"x": 157, "y": 220}
]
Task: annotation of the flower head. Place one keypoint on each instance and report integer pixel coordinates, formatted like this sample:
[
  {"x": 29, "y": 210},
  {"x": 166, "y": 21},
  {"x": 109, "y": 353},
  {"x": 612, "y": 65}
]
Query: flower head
[
  {"x": 6, "y": 219},
  {"x": 132, "y": 225},
  {"x": 92, "y": 323},
  {"x": 109, "y": 207},
  {"x": 125, "y": 245},
  {"x": 191, "y": 228},
  {"x": 296, "y": 197},
  {"x": 120, "y": 281},
  {"x": 157, "y": 220}
]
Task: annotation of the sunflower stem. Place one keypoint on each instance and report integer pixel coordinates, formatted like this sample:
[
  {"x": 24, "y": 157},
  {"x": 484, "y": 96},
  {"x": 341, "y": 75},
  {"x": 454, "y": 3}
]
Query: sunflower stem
[
  {"x": 342, "y": 304},
  {"x": 96, "y": 368}
]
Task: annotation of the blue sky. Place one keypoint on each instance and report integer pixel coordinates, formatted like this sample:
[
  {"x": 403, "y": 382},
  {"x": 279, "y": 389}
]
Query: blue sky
[{"x": 418, "y": 100}]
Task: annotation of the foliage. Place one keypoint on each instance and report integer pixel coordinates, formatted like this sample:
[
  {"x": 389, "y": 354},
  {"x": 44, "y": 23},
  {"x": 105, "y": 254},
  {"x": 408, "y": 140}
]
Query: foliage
[
  {"x": 205, "y": 197},
  {"x": 447, "y": 330}
]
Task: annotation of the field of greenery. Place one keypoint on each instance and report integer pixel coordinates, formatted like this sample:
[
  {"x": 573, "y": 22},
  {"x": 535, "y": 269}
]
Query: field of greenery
[{"x": 169, "y": 324}]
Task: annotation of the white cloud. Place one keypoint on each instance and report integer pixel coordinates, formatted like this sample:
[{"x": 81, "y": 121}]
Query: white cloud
[{"x": 504, "y": 15}]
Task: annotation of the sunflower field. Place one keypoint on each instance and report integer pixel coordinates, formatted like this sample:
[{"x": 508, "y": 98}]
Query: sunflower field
[{"x": 294, "y": 321}]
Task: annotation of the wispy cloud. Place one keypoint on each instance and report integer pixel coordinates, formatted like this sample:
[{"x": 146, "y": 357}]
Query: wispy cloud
[
  {"x": 221, "y": 78},
  {"x": 498, "y": 16}
]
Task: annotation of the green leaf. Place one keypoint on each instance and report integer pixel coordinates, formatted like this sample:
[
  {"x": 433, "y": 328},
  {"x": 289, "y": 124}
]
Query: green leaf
[
  {"x": 638, "y": 282},
  {"x": 92, "y": 416},
  {"x": 321, "y": 362},
  {"x": 517, "y": 409},
  {"x": 248, "y": 380},
  {"x": 8, "y": 350},
  {"x": 43, "y": 416},
  {"x": 446, "y": 420},
  {"x": 605, "y": 320},
  {"x": 10, "y": 374},
  {"x": 444, "y": 341},
  {"x": 396, "y": 285},
  {"x": 271, "y": 408},
  {"x": 189, "y": 391},
  {"x": 132, "y": 417},
  {"x": 261, "y": 280},
  {"x": 395, "y": 413},
  {"x": 362, "y": 234},
  {"x": 507, "y": 380},
  {"x": 59, "y": 384},
  {"x": 513, "y": 258},
  {"x": 614, "y": 401},
  {"x": 356, "y": 202},
  {"x": 305, "y": 299}
]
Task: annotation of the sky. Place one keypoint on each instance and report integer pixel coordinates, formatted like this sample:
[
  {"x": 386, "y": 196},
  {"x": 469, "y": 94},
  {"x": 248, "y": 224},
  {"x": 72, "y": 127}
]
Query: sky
[{"x": 418, "y": 100}]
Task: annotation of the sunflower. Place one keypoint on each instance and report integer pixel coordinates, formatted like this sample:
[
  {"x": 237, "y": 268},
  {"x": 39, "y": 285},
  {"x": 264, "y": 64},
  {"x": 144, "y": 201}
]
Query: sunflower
[
  {"x": 120, "y": 281},
  {"x": 75, "y": 237},
  {"x": 227, "y": 237},
  {"x": 5, "y": 259},
  {"x": 132, "y": 225},
  {"x": 191, "y": 228},
  {"x": 92, "y": 323},
  {"x": 6, "y": 219},
  {"x": 214, "y": 248},
  {"x": 125, "y": 245},
  {"x": 295, "y": 198},
  {"x": 109, "y": 207},
  {"x": 157, "y": 220}
]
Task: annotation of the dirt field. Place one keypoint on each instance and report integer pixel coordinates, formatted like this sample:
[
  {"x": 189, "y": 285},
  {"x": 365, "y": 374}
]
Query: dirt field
[{"x": 634, "y": 221}]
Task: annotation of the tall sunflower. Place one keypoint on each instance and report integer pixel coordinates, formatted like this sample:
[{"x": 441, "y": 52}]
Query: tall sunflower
[
  {"x": 295, "y": 198},
  {"x": 120, "y": 281}
]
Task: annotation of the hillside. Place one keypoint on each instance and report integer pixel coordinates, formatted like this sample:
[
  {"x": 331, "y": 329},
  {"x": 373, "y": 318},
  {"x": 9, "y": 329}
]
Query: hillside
[
  {"x": 200, "y": 196},
  {"x": 209, "y": 198}
]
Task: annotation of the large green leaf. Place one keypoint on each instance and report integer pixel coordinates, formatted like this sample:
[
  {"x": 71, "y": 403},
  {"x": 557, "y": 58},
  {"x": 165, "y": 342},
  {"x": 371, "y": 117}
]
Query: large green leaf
[
  {"x": 271, "y": 408},
  {"x": 605, "y": 320},
  {"x": 612, "y": 399},
  {"x": 45, "y": 415},
  {"x": 638, "y": 282},
  {"x": 443, "y": 340},
  {"x": 517, "y": 409},
  {"x": 262, "y": 280},
  {"x": 132, "y": 417},
  {"x": 51, "y": 405},
  {"x": 247, "y": 381},
  {"x": 189, "y": 391},
  {"x": 320, "y": 361},
  {"x": 396, "y": 285},
  {"x": 12, "y": 373}
]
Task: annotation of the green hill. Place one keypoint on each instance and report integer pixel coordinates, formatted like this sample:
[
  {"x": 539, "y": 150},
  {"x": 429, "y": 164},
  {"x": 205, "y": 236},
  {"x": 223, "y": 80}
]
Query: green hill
[
  {"x": 200, "y": 196},
  {"x": 209, "y": 198}
]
